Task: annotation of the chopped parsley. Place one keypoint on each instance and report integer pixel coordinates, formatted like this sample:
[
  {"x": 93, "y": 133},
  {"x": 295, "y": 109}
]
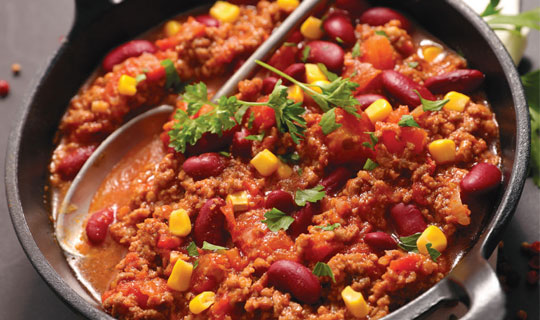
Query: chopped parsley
[
  {"x": 277, "y": 220},
  {"x": 373, "y": 139},
  {"x": 328, "y": 121},
  {"x": 212, "y": 247},
  {"x": 225, "y": 154},
  {"x": 290, "y": 158},
  {"x": 289, "y": 44},
  {"x": 322, "y": 269},
  {"x": 356, "y": 52},
  {"x": 370, "y": 165},
  {"x": 408, "y": 121},
  {"x": 339, "y": 40},
  {"x": 255, "y": 137},
  {"x": 329, "y": 75},
  {"x": 433, "y": 253},
  {"x": 140, "y": 77},
  {"x": 305, "y": 53},
  {"x": 172, "y": 79},
  {"x": 329, "y": 227},
  {"x": 381, "y": 33},
  {"x": 309, "y": 195},
  {"x": 409, "y": 244},
  {"x": 192, "y": 249},
  {"x": 430, "y": 105},
  {"x": 413, "y": 64}
]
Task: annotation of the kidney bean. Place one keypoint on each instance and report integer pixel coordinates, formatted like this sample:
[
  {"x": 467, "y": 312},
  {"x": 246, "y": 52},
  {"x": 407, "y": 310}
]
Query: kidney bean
[
  {"x": 268, "y": 84},
  {"x": 129, "y": 49},
  {"x": 241, "y": 147},
  {"x": 283, "y": 57},
  {"x": 340, "y": 26},
  {"x": 210, "y": 224},
  {"x": 354, "y": 7},
  {"x": 402, "y": 88},
  {"x": 379, "y": 16},
  {"x": 407, "y": 219},
  {"x": 302, "y": 219},
  {"x": 4, "y": 88},
  {"x": 207, "y": 20},
  {"x": 204, "y": 166},
  {"x": 98, "y": 224},
  {"x": 327, "y": 53},
  {"x": 281, "y": 200},
  {"x": 482, "y": 177},
  {"x": 380, "y": 240},
  {"x": 366, "y": 99},
  {"x": 69, "y": 166},
  {"x": 296, "y": 279},
  {"x": 336, "y": 180},
  {"x": 295, "y": 37},
  {"x": 297, "y": 71},
  {"x": 463, "y": 80},
  {"x": 211, "y": 142}
]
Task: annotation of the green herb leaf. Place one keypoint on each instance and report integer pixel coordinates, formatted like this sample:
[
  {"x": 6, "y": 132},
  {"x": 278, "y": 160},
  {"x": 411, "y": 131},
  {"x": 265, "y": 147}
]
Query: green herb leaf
[
  {"x": 288, "y": 113},
  {"x": 531, "y": 83},
  {"x": 250, "y": 121},
  {"x": 192, "y": 249},
  {"x": 140, "y": 77},
  {"x": 195, "y": 264},
  {"x": 409, "y": 243},
  {"x": 309, "y": 195},
  {"x": 277, "y": 220},
  {"x": 322, "y": 269},
  {"x": 412, "y": 64},
  {"x": 529, "y": 19},
  {"x": 329, "y": 227},
  {"x": 381, "y": 33},
  {"x": 407, "y": 121},
  {"x": 239, "y": 114},
  {"x": 339, "y": 40},
  {"x": 373, "y": 139},
  {"x": 172, "y": 79},
  {"x": 212, "y": 247},
  {"x": 433, "y": 253},
  {"x": 329, "y": 75},
  {"x": 370, "y": 165},
  {"x": 225, "y": 154},
  {"x": 305, "y": 53},
  {"x": 491, "y": 8},
  {"x": 196, "y": 96},
  {"x": 255, "y": 137},
  {"x": 299, "y": 171},
  {"x": 356, "y": 52},
  {"x": 430, "y": 105},
  {"x": 289, "y": 44},
  {"x": 289, "y": 158},
  {"x": 328, "y": 121}
]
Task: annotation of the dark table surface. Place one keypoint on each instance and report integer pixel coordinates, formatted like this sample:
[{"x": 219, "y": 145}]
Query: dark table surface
[{"x": 30, "y": 31}]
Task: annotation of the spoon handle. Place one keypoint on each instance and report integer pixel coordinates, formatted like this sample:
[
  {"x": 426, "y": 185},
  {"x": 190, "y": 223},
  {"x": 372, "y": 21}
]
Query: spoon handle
[{"x": 278, "y": 35}]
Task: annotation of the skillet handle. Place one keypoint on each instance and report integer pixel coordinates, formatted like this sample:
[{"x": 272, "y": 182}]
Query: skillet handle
[{"x": 87, "y": 11}]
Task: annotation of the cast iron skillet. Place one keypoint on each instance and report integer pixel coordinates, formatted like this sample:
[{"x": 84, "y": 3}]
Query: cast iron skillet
[{"x": 100, "y": 25}]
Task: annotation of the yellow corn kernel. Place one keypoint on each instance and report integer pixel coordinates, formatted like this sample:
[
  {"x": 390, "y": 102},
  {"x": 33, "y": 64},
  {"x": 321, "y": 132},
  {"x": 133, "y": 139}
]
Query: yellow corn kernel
[
  {"x": 265, "y": 162},
  {"x": 99, "y": 106},
  {"x": 284, "y": 171},
  {"x": 432, "y": 235},
  {"x": 288, "y": 5},
  {"x": 314, "y": 73},
  {"x": 442, "y": 150},
  {"x": 239, "y": 200},
  {"x": 180, "y": 277},
  {"x": 224, "y": 11},
  {"x": 202, "y": 302},
  {"x": 355, "y": 302},
  {"x": 127, "y": 85},
  {"x": 318, "y": 83},
  {"x": 457, "y": 102},
  {"x": 312, "y": 28},
  {"x": 179, "y": 223},
  {"x": 430, "y": 53},
  {"x": 378, "y": 110},
  {"x": 295, "y": 93},
  {"x": 171, "y": 28}
]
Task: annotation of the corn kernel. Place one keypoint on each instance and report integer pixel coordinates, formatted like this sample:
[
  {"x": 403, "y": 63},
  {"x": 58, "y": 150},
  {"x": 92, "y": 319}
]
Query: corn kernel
[
  {"x": 284, "y": 171},
  {"x": 288, "y": 5},
  {"x": 99, "y": 106},
  {"x": 442, "y": 150},
  {"x": 431, "y": 53},
  {"x": 179, "y": 223},
  {"x": 265, "y": 162},
  {"x": 457, "y": 102},
  {"x": 202, "y": 302},
  {"x": 127, "y": 85},
  {"x": 432, "y": 235},
  {"x": 378, "y": 110},
  {"x": 224, "y": 11},
  {"x": 314, "y": 73},
  {"x": 171, "y": 28},
  {"x": 312, "y": 28},
  {"x": 180, "y": 277},
  {"x": 239, "y": 200},
  {"x": 295, "y": 93},
  {"x": 355, "y": 302},
  {"x": 319, "y": 83}
]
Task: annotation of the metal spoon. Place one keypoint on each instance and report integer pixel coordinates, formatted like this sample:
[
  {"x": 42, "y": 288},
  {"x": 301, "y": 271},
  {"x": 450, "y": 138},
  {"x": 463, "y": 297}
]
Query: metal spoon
[{"x": 70, "y": 218}]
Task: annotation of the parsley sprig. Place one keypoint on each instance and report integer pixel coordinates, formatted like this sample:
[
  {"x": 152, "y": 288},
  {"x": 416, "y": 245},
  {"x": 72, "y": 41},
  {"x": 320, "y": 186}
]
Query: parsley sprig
[
  {"x": 498, "y": 21},
  {"x": 329, "y": 227},
  {"x": 277, "y": 220},
  {"x": 431, "y": 105},
  {"x": 409, "y": 244},
  {"x": 309, "y": 195},
  {"x": 322, "y": 269}
]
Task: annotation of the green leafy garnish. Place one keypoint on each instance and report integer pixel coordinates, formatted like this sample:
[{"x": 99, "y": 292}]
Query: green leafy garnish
[
  {"x": 288, "y": 113},
  {"x": 381, "y": 33},
  {"x": 339, "y": 40},
  {"x": 430, "y": 105},
  {"x": 322, "y": 269},
  {"x": 255, "y": 137},
  {"x": 140, "y": 77},
  {"x": 172, "y": 79},
  {"x": 305, "y": 53},
  {"x": 412, "y": 64},
  {"x": 309, "y": 195},
  {"x": 433, "y": 253},
  {"x": 370, "y": 165},
  {"x": 531, "y": 83},
  {"x": 192, "y": 249},
  {"x": 225, "y": 154},
  {"x": 356, "y": 52},
  {"x": 530, "y": 19},
  {"x": 212, "y": 247},
  {"x": 373, "y": 139},
  {"x": 407, "y": 121},
  {"x": 329, "y": 227},
  {"x": 277, "y": 220},
  {"x": 409, "y": 243},
  {"x": 290, "y": 158},
  {"x": 329, "y": 75},
  {"x": 289, "y": 44},
  {"x": 328, "y": 121},
  {"x": 491, "y": 8}
]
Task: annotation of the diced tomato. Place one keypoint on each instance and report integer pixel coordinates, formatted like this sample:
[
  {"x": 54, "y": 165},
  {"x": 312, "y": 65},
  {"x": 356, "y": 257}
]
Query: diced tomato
[
  {"x": 168, "y": 242},
  {"x": 156, "y": 74},
  {"x": 405, "y": 263},
  {"x": 319, "y": 251},
  {"x": 265, "y": 117},
  {"x": 419, "y": 193},
  {"x": 390, "y": 141},
  {"x": 167, "y": 43},
  {"x": 364, "y": 74},
  {"x": 396, "y": 114},
  {"x": 222, "y": 307},
  {"x": 416, "y": 136},
  {"x": 378, "y": 51}
]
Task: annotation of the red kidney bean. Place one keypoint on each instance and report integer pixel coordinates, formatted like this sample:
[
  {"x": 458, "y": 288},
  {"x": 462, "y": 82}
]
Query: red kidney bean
[
  {"x": 268, "y": 84},
  {"x": 408, "y": 219},
  {"x": 207, "y": 20},
  {"x": 241, "y": 147},
  {"x": 354, "y": 7},
  {"x": 296, "y": 279},
  {"x": 69, "y": 166},
  {"x": 210, "y": 224},
  {"x": 297, "y": 71},
  {"x": 283, "y": 57},
  {"x": 295, "y": 37},
  {"x": 339, "y": 26},
  {"x": 336, "y": 180},
  {"x": 482, "y": 177},
  {"x": 463, "y": 80},
  {"x": 204, "y": 166},
  {"x": 380, "y": 240},
  {"x": 302, "y": 219},
  {"x": 211, "y": 142},
  {"x": 379, "y": 16},
  {"x": 281, "y": 200},
  {"x": 4, "y": 88},
  {"x": 366, "y": 99},
  {"x": 327, "y": 53},
  {"x": 98, "y": 224},
  {"x": 130, "y": 49},
  {"x": 402, "y": 88}
]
